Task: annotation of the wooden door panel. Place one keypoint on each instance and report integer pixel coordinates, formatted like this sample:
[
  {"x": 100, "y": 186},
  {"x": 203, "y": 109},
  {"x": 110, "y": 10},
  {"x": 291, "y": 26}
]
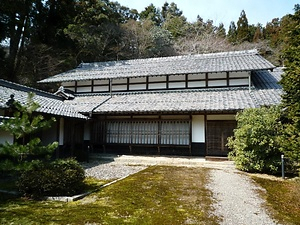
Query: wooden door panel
[{"x": 217, "y": 134}]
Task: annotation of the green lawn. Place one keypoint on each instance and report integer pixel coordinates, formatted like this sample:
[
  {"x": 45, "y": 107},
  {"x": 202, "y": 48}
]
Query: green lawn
[
  {"x": 283, "y": 198},
  {"x": 157, "y": 195}
]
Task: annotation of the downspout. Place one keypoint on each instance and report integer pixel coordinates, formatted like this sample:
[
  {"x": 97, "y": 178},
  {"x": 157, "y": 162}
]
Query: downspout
[
  {"x": 249, "y": 80},
  {"x": 110, "y": 87}
]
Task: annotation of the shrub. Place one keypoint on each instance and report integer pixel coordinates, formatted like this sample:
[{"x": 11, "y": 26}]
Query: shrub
[
  {"x": 58, "y": 178},
  {"x": 255, "y": 144}
]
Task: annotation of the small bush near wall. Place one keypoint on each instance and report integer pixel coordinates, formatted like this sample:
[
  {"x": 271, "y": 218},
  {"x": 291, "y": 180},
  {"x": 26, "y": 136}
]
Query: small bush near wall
[
  {"x": 256, "y": 144},
  {"x": 58, "y": 178}
]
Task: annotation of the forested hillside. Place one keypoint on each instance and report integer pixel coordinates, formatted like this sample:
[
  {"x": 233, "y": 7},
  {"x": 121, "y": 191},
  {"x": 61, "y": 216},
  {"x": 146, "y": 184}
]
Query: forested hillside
[{"x": 40, "y": 38}]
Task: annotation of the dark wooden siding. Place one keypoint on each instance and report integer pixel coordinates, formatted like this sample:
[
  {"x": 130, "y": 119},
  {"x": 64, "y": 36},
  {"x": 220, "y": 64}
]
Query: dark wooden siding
[{"x": 217, "y": 133}]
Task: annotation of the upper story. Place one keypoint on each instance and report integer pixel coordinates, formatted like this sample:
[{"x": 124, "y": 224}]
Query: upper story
[{"x": 203, "y": 71}]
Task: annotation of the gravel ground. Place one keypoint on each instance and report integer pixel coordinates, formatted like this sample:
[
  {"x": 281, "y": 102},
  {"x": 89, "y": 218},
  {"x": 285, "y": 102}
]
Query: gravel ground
[
  {"x": 110, "y": 170},
  {"x": 237, "y": 199}
]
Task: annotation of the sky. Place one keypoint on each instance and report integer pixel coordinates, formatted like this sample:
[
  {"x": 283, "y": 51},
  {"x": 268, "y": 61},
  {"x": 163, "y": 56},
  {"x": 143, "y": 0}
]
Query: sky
[{"x": 223, "y": 11}]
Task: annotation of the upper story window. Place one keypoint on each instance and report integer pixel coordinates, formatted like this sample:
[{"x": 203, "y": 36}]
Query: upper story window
[{"x": 166, "y": 82}]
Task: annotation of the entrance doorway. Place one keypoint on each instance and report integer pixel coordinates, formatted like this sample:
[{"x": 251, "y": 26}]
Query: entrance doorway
[{"x": 217, "y": 134}]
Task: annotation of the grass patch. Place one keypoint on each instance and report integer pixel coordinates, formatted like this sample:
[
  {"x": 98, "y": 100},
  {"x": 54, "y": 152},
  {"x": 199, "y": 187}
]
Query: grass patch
[
  {"x": 157, "y": 195},
  {"x": 283, "y": 196}
]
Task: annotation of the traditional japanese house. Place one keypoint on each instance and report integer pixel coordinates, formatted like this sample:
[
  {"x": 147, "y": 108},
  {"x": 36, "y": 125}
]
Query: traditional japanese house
[{"x": 181, "y": 105}]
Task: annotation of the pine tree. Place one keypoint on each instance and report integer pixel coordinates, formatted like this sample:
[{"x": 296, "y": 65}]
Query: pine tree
[
  {"x": 258, "y": 35},
  {"x": 232, "y": 33},
  {"x": 242, "y": 28},
  {"x": 23, "y": 126}
]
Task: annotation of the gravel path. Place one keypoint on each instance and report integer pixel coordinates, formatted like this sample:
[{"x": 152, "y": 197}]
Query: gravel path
[{"x": 237, "y": 199}]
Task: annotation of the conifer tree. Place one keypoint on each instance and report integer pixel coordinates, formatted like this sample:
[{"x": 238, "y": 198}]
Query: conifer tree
[
  {"x": 242, "y": 31},
  {"x": 232, "y": 33},
  {"x": 291, "y": 86},
  {"x": 23, "y": 126}
]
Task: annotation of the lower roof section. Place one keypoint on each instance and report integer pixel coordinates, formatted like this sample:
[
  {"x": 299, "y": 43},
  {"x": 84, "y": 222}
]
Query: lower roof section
[
  {"x": 233, "y": 99},
  {"x": 49, "y": 103}
]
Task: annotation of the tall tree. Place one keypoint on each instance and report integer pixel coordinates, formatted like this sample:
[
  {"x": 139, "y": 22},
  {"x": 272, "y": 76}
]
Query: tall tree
[
  {"x": 144, "y": 39},
  {"x": 95, "y": 30},
  {"x": 242, "y": 31},
  {"x": 173, "y": 20},
  {"x": 272, "y": 30},
  {"x": 152, "y": 13},
  {"x": 291, "y": 86},
  {"x": 170, "y": 9},
  {"x": 232, "y": 33},
  {"x": 176, "y": 25},
  {"x": 221, "y": 31},
  {"x": 258, "y": 34},
  {"x": 16, "y": 22}
]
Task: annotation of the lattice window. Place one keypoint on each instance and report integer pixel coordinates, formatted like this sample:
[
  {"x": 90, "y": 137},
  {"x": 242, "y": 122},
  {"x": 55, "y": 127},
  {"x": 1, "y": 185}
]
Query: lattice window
[
  {"x": 165, "y": 132},
  {"x": 175, "y": 132}
]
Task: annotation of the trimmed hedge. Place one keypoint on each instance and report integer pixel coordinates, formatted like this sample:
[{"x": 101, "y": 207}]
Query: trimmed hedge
[{"x": 58, "y": 178}]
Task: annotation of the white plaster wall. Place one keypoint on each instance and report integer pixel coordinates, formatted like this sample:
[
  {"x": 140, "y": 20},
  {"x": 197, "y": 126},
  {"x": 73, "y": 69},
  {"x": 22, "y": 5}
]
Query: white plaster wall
[
  {"x": 101, "y": 82},
  {"x": 215, "y": 83},
  {"x": 157, "y": 86},
  {"x": 137, "y": 80},
  {"x": 84, "y": 83},
  {"x": 137, "y": 87},
  {"x": 68, "y": 84},
  {"x": 177, "y": 77},
  {"x": 120, "y": 81},
  {"x": 6, "y": 136},
  {"x": 196, "y": 76},
  {"x": 198, "y": 128},
  {"x": 101, "y": 88},
  {"x": 177, "y": 85},
  {"x": 119, "y": 87},
  {"x": 237, "y": 82},
  {"x": 196, "y": 84},
  {"x": 160, "y": 78},
  {"x": 217, "y": 75},
  {"x": 84, "y": 89},
  {"x": 239, "y": 74}
]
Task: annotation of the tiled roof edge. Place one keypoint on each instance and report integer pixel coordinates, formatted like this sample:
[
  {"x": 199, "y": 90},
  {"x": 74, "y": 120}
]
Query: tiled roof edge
[
  {"x": 20, "y": 87},
  {"x": 166, "y": 91},
  {"x": 207, "y": 55}
]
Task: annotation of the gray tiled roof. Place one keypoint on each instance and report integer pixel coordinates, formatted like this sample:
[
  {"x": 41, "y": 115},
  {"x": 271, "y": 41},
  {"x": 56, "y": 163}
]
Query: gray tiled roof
[
  {"x": 49, "y": 103},
  {"x": 201, "y": 100},
  {"x": 215, "y": 62},
  {"x": 267, "y": 80}
]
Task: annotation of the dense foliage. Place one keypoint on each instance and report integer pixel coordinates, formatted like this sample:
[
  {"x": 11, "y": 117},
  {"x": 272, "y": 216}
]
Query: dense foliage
[
  {"x": 58, "y": 178},
  {"x": 44, "y": 37},
  {"x": 291, "y": 86},
  {"x": 39, "y": 176},
  {"x": 255, "y": 144},
  {"x": 24, "y": 126}
]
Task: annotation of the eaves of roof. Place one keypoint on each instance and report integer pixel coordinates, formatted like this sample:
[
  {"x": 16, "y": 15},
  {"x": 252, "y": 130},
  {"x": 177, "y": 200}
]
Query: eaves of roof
[{"x": 49, "y": 103}]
